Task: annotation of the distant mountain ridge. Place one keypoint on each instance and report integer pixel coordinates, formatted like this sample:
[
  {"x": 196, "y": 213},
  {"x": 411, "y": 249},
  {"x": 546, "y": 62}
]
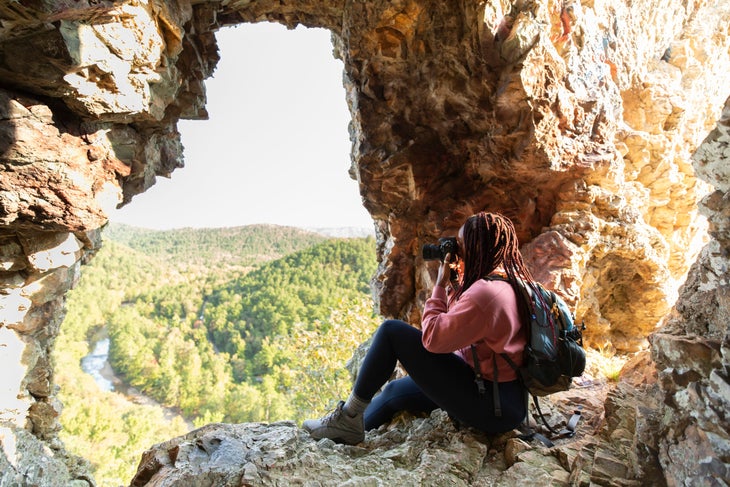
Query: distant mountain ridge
[
  {"x": 238, "y": 246},
  {"x": 344, "y": 232}
]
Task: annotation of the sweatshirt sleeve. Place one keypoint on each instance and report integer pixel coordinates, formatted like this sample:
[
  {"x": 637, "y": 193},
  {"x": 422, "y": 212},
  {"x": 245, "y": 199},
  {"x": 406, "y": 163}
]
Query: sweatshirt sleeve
[
  {"x": 483, "y": 312},
  {"x": 448, "y": 329}
]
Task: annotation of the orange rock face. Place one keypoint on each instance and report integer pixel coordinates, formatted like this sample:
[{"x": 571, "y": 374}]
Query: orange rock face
[{"x": 577, "y": 120}]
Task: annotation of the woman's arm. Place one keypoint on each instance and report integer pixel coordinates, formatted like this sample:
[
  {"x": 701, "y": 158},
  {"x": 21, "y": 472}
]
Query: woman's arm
[{"x": 483, "y": 312}]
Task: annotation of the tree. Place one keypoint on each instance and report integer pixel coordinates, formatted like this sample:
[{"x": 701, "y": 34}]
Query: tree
[
  {"x": 311, "y": 366},
  {"x": 227, "y": 341}
]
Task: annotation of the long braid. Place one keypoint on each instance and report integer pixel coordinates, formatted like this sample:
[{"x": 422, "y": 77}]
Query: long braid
[{"x": 491, "y": 241}]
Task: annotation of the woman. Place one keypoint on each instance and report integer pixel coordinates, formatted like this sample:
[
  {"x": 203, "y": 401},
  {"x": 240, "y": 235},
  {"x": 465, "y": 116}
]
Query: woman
[{"x": 483, "y": 310}]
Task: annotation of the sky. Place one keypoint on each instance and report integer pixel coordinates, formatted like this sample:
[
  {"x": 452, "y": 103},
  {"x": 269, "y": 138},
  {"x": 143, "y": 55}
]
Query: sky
[{"x": 275, "y": 148}]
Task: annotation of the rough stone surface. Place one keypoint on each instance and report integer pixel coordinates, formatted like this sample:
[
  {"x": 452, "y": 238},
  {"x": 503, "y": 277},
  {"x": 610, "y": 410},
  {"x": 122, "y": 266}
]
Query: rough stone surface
[
  {"x": 424, "y": 451},
  {"x": 25, "y": 460},
  {"x": 597, "y": 126},
  {"x": 410, "y": 451},
  {"x": 692, "y": 350}
]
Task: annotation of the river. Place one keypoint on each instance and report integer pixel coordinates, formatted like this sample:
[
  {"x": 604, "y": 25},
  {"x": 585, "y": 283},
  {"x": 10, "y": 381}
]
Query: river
[
  {"x": 97, "y": 365},
  {"x": 94, "y": 363}
]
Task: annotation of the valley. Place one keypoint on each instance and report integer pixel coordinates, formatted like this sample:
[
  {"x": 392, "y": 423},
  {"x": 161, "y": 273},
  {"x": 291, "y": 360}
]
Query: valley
[{"x": 142, "y": 361}]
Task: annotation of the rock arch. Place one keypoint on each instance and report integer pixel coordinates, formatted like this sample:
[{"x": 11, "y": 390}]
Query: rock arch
[{"x": 579, "y": 121}]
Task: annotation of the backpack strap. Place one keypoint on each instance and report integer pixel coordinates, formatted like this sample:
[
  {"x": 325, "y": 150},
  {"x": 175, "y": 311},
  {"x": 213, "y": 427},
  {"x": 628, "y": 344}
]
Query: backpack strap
[
  {"x": 570, "y": 428},
  {"x": 567, "y": 432},
  {"x": 512, "y": 364},
  {"x": 480, "y": 381},
  {"x": 495, "y": 388},
  {"x": 478, "y": 372},
  {"x": 536, "y": 401}
]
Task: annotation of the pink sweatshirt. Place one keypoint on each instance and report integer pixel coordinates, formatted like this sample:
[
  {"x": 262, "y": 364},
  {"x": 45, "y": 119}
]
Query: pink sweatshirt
[{"x": 487, "y": 315}]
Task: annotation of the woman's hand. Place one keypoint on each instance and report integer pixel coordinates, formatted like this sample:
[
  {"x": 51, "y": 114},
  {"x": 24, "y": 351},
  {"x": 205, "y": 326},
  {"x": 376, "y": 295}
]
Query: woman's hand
[{"x": 444, "y": 276}]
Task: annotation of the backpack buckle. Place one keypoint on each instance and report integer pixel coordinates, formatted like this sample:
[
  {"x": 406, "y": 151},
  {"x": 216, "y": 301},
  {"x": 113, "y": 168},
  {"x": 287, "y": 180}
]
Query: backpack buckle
[{"x": 480, "y": 385}]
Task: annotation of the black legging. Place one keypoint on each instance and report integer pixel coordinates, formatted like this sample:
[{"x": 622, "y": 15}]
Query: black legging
[{"x": 434, "y": 380}]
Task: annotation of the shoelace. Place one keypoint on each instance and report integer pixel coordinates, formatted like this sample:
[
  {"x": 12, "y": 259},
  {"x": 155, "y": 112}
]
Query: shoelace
[{"x": 334, "y": 414}]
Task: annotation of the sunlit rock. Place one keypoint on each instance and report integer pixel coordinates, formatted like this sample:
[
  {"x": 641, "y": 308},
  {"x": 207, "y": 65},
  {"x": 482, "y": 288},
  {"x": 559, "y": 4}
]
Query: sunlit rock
[{"x": 598, "y": 127}]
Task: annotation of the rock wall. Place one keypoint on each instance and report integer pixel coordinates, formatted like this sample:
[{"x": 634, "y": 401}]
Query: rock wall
[
  {"x": 692, "y": 350},
  {"x": 577, "y": 120}
]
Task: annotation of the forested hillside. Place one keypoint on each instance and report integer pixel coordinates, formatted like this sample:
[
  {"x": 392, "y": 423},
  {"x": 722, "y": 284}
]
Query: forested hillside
[
  {"x": 213, "y": 339},
  {"x": 232, "y": 246},
  {"x": 300, "y": 288}
]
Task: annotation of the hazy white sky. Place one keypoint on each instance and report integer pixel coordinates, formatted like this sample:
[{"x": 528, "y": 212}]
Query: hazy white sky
[{"x": 275, "y": 148}]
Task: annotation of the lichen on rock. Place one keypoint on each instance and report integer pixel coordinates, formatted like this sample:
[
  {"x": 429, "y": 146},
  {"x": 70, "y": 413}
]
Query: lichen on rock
[{"x": 598, "y": 127}]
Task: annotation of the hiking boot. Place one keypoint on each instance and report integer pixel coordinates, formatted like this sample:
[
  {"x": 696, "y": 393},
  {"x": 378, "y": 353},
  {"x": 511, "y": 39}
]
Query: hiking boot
[{"x": 338, "y": 426}]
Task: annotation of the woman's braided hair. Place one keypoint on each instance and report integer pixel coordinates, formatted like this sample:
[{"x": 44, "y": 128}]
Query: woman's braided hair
[{"x": 491, "y": 241}]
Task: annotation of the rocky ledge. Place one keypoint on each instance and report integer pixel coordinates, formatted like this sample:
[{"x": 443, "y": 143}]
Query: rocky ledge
[
  {"x": 598, "y": 127},
  {"x": 419, "y": 451}
]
